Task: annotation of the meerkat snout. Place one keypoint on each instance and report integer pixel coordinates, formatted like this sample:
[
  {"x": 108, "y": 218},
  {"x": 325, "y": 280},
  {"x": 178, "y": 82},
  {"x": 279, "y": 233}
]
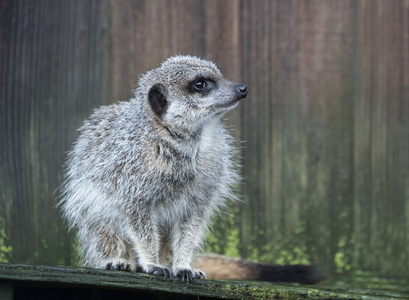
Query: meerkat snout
[{"x": 242, "y": 89}]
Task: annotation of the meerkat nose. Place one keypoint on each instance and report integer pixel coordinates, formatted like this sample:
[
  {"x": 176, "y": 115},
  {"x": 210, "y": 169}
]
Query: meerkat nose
[{"x": 242, "y": 89}]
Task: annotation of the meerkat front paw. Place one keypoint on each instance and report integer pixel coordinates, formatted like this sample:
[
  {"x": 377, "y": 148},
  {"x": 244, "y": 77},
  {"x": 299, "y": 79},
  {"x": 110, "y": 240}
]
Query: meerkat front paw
[
  {"x": 190, "y": 274},
  {"x": 159, "y": 271},
  {"x": 120, "y": 264}
]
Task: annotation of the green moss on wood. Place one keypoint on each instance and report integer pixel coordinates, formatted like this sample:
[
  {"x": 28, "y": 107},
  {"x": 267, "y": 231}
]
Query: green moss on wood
[
  {"x": 358, "y": 286},
  {"x": 5, "y": 251}
]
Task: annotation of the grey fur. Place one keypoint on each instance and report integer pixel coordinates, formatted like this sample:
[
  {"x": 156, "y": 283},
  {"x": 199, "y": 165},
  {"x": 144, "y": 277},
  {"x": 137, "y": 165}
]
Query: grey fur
[{"x": 145, "y": 176}]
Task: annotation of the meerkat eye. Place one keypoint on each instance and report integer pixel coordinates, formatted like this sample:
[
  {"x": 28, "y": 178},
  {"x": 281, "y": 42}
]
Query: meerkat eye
[{"x": 199, "y": 85}]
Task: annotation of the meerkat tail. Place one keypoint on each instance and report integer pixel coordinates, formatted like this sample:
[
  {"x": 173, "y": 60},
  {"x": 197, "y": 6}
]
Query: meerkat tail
[{"x": 219, "y": 267}]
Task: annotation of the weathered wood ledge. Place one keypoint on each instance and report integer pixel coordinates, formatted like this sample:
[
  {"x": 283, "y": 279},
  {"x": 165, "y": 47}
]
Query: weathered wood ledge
[{"x": 46, "y": 282}]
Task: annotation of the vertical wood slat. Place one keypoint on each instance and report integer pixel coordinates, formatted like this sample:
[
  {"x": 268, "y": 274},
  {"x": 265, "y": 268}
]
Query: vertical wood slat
[
  {"x": 325, "y": 125},
  {"x": 52, "y": 81}
]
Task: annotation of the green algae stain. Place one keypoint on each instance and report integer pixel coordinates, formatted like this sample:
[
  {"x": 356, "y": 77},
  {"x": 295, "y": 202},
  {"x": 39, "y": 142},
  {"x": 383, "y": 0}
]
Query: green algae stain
[
  {"x": 342, "y": 256},
  {"x": 76, "y": 257},
  {"x": 223, "y": 238},
  {"x": 283, "y": 249},
  {"x": 5, "y": 251},
  {"x": 44, "y": 243}
]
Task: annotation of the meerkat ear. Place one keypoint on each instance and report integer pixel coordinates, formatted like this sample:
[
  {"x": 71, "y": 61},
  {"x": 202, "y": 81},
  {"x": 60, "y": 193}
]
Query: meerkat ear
[{"x": 157, "y": 99}]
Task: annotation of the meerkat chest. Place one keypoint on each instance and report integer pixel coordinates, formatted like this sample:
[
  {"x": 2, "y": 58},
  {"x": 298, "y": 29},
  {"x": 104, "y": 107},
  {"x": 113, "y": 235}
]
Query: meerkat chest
[
  {"x": 202, "y": 159},
  {"x": 191, "y": 184},
  {"x": 180, "y": 171},
  {"x": 189, "y": 172}
]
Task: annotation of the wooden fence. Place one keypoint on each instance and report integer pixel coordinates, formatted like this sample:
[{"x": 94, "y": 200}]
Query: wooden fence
[{"x": 324, "y": 131}]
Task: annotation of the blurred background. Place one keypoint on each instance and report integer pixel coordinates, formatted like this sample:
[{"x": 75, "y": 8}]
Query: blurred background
[{"x": 323, "y": 134}]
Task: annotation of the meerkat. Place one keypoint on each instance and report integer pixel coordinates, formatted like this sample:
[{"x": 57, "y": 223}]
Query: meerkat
[{"x": 145, "y": 176}]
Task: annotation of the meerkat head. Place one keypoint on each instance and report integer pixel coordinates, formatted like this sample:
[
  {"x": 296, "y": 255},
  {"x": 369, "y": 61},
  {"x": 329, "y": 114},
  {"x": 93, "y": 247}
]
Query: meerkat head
[{"x": 185, "y": 92}]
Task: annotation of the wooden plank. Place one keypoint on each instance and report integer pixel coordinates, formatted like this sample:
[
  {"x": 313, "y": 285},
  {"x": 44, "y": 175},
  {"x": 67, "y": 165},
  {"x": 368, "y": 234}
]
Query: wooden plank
[{"x": 46, "y": 276}]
